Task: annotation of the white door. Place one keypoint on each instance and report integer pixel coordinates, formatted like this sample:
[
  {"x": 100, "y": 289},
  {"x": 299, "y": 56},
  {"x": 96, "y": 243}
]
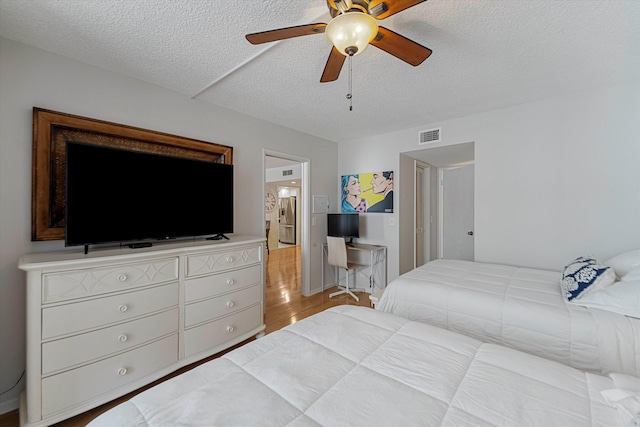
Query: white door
[
  {"x": 456, "y": 201},
  {"x": 421, "y": 210}
]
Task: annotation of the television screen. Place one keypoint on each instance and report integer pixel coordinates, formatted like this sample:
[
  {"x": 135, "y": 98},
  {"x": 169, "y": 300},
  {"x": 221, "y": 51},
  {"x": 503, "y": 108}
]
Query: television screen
[
  {"x": 343, "y": 225},
  {"x": 115, "y": 195}
]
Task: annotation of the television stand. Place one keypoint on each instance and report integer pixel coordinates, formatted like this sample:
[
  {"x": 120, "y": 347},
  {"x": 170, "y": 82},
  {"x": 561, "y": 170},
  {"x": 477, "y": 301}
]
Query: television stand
[{"x": 219, "y": 236}]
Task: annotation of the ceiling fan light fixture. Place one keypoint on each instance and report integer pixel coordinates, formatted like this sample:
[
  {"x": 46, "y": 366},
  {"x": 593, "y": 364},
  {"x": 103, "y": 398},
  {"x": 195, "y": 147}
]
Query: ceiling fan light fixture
[{"x": 351, "y": 32}]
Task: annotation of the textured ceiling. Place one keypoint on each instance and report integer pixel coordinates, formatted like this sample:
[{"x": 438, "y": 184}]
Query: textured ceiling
[{"x": 487, "y": 54}]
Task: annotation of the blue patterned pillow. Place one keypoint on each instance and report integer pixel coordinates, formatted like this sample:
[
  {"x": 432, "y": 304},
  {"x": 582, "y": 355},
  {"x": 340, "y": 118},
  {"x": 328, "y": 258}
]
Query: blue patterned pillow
[{"x": 584, "y": 275}]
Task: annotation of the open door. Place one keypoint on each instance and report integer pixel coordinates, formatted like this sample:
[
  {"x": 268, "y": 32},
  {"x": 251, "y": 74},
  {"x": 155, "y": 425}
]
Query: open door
[{"x": 422, "y": 214}]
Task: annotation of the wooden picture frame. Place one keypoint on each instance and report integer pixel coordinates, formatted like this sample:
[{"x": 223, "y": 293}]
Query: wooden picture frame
[{"x": 52, "y": 130}]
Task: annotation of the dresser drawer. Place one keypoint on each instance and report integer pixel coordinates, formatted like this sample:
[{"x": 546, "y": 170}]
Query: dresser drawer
[
  {"x": 78, "y": 349},
  {"x": 66, "y": 285},
  {"x": 211, "y": 262},
  {"x": 211, "y": 334},
  {"x": 73, "y": 387},
  {"x": 204, "y": 311},
  {"x": 216, "y": 284},
  {"x": 79, "y": 316}
]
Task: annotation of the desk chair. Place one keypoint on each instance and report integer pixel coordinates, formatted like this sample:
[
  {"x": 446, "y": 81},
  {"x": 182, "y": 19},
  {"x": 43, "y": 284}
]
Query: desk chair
[{"x": 337, "y": 256}]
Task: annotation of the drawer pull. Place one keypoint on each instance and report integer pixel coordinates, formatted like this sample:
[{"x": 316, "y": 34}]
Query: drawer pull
[
  {"x": 123, "y": 338},
  {"x": 123, "y": 307},
  {"x": 230, "y": 259},
  {"x": 230, "y": 282},
  {"x": 230, "y": 328},
  {"x": 122, "y": 277},
  {"x": 122, "y": 371},
  {"x": 230, "y": 304}
]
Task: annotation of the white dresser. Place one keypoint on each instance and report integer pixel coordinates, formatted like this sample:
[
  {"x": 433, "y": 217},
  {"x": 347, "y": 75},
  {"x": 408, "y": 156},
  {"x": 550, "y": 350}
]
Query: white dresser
[{"x": 104, "y": 324}]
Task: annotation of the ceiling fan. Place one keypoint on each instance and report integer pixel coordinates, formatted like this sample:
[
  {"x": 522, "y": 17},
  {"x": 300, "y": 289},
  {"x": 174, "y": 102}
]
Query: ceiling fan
[{"x": 352, "y": 28}]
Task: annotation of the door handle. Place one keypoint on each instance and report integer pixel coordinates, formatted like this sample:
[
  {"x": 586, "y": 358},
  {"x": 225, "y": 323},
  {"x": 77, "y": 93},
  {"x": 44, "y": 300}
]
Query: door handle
[{"x": 470, "y": 233}]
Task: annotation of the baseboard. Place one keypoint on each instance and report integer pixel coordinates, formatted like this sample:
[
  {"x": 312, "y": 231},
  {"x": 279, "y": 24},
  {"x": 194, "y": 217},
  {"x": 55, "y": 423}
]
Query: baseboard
[{"x": 9, "y": 405}]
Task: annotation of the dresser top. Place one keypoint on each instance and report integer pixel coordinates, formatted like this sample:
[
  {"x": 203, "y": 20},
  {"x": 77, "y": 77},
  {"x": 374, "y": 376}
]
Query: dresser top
[{"x": 76, "y": 255}]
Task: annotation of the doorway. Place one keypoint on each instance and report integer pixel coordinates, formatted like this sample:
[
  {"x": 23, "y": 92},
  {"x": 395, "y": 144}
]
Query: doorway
[
  {"x": 424, "y": 168},
  {"x": 286, "y": 189}
]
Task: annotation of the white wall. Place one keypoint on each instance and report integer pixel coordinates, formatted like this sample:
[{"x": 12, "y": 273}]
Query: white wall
[
  {"x": 33, "y": 78},
  {"x": 275, "y": 174},
  {"x": 554, "y": 180}
]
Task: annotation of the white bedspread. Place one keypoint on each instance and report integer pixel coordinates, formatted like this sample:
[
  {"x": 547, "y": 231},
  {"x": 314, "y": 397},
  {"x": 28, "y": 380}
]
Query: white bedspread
[
  {"x": 353, "y": 366},
  {"x": 517, "y": 307}
]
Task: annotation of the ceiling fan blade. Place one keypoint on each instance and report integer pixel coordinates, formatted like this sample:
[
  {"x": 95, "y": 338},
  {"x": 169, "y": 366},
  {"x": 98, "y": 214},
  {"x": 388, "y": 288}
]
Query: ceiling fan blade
[
  {"x": 401, "y": 47},
  {"x": 286, "y": 33},
  {"x": 381, "y": 9},
  {"x": 333, "y": 66}
]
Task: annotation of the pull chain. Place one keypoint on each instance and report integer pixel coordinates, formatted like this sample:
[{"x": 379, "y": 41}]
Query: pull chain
[{"x": 349, "y": 95}]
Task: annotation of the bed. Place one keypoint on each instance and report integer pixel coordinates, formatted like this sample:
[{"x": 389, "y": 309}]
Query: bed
[
  {"x": 354, "y": 366},
  {"x": 519, "y": 308}
]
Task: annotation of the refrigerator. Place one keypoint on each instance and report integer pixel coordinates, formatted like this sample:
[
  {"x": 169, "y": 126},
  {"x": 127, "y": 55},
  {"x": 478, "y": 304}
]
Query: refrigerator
[{"x": 287, "y": 223}]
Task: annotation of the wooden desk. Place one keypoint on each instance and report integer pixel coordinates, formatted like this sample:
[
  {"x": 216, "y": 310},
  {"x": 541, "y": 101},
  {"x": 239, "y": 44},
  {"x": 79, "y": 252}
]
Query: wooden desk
[{"x": 377, "y": 259}]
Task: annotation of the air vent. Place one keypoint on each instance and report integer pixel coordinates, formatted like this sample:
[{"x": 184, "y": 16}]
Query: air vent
[
  {"x": 429, "y": 136},
  {"x": 287, "y": 172}
]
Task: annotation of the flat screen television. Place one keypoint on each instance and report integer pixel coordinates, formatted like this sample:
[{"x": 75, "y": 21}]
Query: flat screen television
[
  {"x": 130, "y": 197},
  {"x": 345, "y": 225}
]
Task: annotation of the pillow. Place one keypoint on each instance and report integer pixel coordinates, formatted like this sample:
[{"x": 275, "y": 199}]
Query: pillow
[
  {"x": 625, "y": 262},
  {"x": 632, "y": 275},
  {"x": 584, "y": 275},
  {"x": 623, "y": 298}
]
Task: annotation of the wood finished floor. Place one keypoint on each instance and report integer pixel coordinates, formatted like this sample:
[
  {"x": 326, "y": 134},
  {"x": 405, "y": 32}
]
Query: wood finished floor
[{"x": 284, "y": 304}]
